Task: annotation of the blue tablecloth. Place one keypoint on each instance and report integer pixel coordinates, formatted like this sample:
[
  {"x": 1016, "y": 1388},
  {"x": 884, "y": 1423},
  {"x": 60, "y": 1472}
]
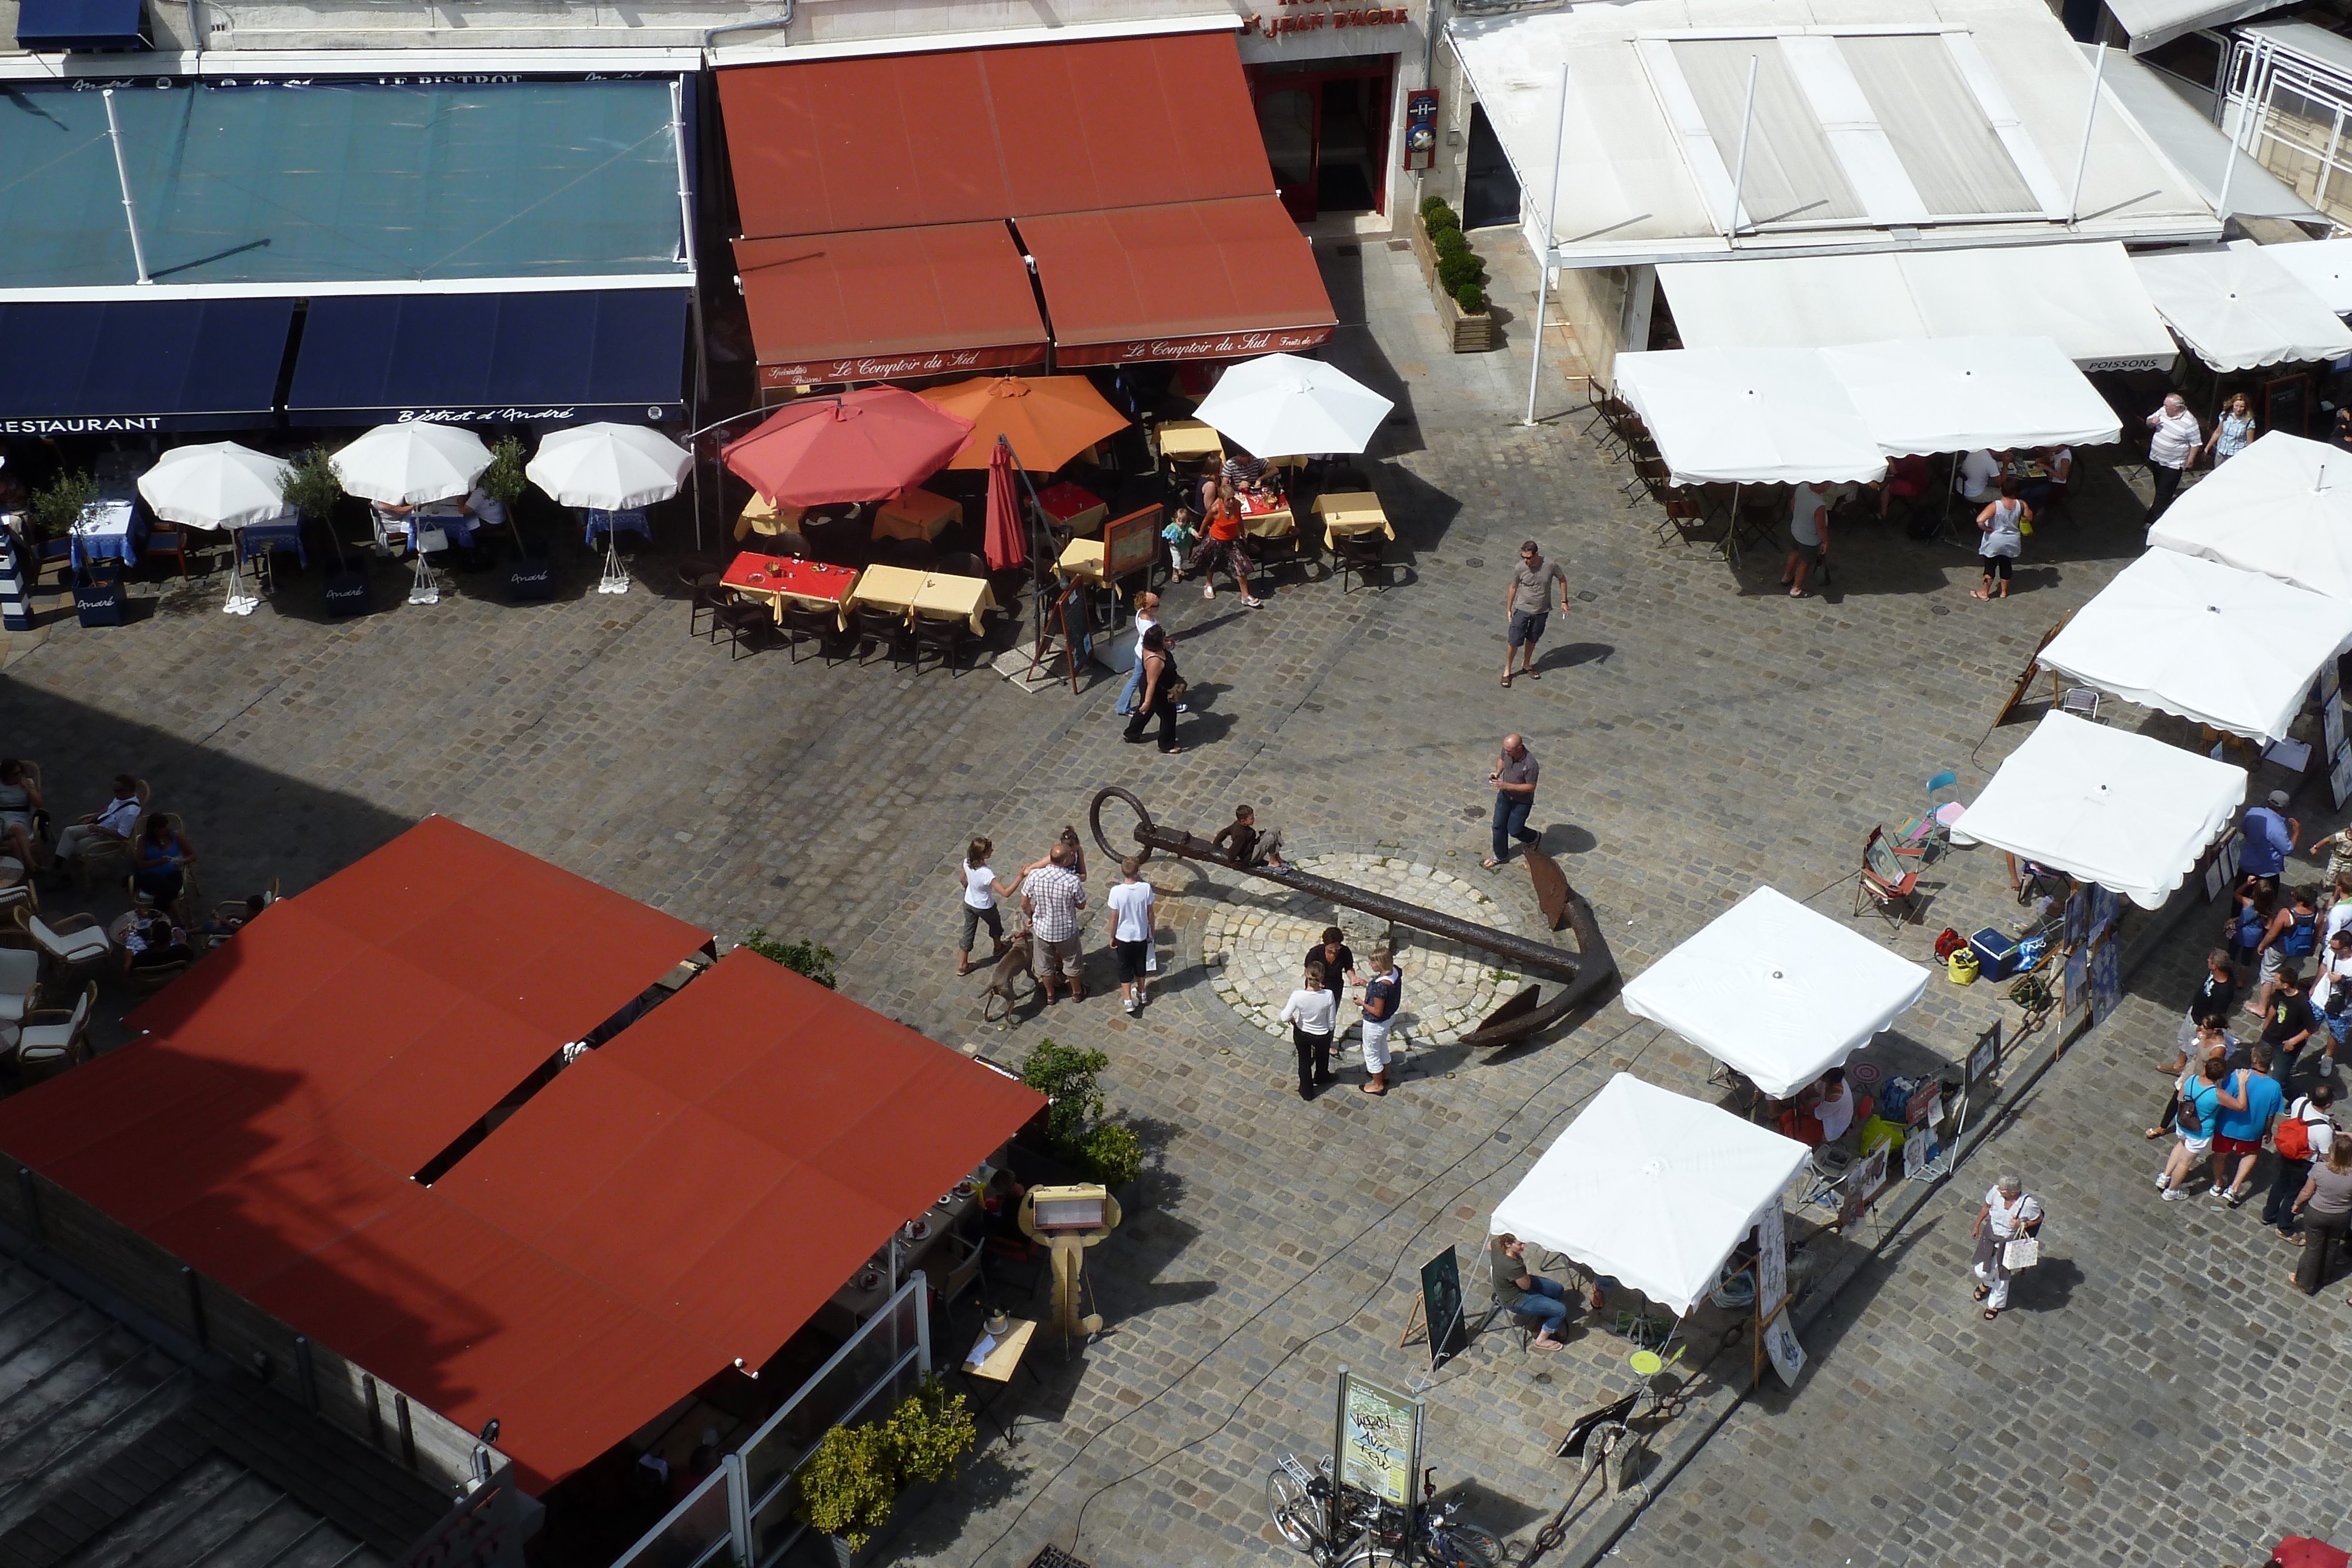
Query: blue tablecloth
[
  {"x": 110, "y": 528},
  {"x": 633, "y": 521},
  {"x": 262, "y": 538}
]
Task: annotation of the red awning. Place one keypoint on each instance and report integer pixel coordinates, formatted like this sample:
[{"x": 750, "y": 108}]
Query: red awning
[
  {"x": 962, "y": 135},
  {"x": 1198, "y": 280},
  {"x": 885, "y": 304},
  {"x": 689, "y": 1194}
]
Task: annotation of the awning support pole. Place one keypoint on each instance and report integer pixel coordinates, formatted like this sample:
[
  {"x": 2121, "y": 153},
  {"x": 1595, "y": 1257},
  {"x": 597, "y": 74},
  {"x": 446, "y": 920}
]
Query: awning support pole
[
  {"x": 685, "y": 188},
  {"x": 2230, "y": 170},
  {"x": 123, "y": 177},
  {"x": 1543, "y": 251},
  {"x": 1739, "y": 167},
  {"x": 2090, "y": 114}
]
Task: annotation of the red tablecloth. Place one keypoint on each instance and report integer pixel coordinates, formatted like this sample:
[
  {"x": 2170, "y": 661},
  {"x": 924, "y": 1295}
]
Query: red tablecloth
[
  {"x": 1066, "y": 500},
  {"x": 759, "y": 573},
  {"x": 1254, "y": 505}
]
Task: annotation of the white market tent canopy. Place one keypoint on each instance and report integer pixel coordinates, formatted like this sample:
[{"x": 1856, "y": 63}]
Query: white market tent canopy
[
  {"x": 2322, "y": 265},
  {"x": 1651, "y": 1187},
  {"x": 2225, "y": 647},
  {"x": 1957, "y": 395},
  {"x": 2084, "y": 297},
  {"x": 1963, "y": 122},
  {"x": 1777, "y": 991},
  {"x": 2239, "y": 309},
  {"x": 2283, "y": 508},
  {"x": 1748, "y": 416},
  {"x": 2153, "y": 22},
  {"x": 2103, "y": 805}
]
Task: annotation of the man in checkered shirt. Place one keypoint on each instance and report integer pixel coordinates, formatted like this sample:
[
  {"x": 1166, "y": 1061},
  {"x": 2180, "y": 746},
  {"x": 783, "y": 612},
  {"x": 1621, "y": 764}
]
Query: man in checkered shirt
[{"x": 1053, "y": 895}]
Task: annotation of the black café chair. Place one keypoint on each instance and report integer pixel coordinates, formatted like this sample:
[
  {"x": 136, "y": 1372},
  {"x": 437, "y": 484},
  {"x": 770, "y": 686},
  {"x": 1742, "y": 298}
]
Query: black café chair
[
  {"x": 746, "y": 623},
  {"x": 945, "y": 636},
  {"x": 807, "y": 624},
  {"x": 1363, "y": 554},
  {"x": 962, "y": 565},
  {"x": 886, "y": 628},
  {"x": 916, "y": 555}
]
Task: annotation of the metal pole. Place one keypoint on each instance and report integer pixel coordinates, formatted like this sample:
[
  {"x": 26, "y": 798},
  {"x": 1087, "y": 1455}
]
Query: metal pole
[
  {"x": 123, "y": 177},
  {"x": 2229, "y": 172},
  {"x": 1543, "y": 252},
  {"x": 2090, "y": 114},
  {"x": 1739, "y": 169},
  {"x": 685, "y": 197}
]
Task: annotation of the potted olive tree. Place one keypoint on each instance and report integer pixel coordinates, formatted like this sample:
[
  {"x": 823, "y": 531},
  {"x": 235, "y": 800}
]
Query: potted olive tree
[
  {"x": 314, "y": 492},
  {"x": 53, "y": 510},
  {"x": 531, "y": 574},
  {"x": 863, "y": 1482},
  {"x": 1073, "y": 1139}
]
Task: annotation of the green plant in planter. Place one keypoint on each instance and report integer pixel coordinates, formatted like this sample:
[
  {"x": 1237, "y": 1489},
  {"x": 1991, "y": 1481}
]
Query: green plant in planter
[
  {"x": 503, "y": 480},
  {"x": 313, "y": 488},
  {"x": 1453, "y": 271},
  {"x": 1470, "y": 298},
  {"x": 930, "y": 1431},
  {"x": 57, "y": 505},
  {"x": 1435, "y": 214},
  {"x": 849, "y": 1484},
  {"x": 809, "y": 958},
  {"x": 1448, "y": 242},
  {"x": 1076, "y": 1126},
  {"x": 1114, "y": 1153}
]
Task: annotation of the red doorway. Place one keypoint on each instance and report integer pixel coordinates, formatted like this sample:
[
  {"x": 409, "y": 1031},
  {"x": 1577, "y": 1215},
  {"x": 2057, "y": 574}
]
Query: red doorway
[{"x": 1326, "y": 127}]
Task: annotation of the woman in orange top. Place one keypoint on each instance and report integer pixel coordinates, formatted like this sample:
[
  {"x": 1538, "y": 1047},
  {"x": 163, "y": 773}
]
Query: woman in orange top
[{"x": 1223, "y": 541}]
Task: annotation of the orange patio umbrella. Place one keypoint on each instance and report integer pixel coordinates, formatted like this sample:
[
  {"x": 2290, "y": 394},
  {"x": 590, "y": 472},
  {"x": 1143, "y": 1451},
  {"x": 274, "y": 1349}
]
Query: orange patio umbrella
[{"x": 1049, "y": 420}]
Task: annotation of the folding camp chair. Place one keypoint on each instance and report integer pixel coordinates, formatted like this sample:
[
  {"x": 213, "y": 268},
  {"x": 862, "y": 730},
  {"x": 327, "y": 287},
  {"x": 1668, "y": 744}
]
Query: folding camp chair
[{"x": 1889, "y": 878}]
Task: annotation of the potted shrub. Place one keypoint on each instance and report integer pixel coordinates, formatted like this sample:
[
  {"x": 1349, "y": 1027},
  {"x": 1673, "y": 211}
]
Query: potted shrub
[
  {"x": 1456, "y": 275},
  {"x": 50, "y": 513},
  {"x": 54, "y": 510},
  {"x": 864, "y": 1480},
  {"x": 809, "y": 958},
  {"x": 531, "y": 575},
  {"x": 1077, "y": 1140},
  {"x": 314, "y": 492}
]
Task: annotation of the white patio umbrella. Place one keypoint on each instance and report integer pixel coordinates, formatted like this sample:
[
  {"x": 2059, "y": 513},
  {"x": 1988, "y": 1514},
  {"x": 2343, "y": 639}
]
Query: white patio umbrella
[
  {"x": 2283, "y": 508},
  {"x": 1283, "y": 405},
  {"x": 610, "y": 468},
  {"x": 218, "y": 485},
  {"x": 401, "y": 465}
]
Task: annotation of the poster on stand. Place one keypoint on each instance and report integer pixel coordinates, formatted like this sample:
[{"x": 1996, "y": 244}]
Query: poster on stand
[
  {"x": 2340, "y": 775},
  {"x": 1771, "y": 1261},
  {"x": 2331, "y": 722},
  {"x": 1379, "y": 1440},
  {"x": 1780, "y": 1345},
  {"x": 2107, "y": 977}
]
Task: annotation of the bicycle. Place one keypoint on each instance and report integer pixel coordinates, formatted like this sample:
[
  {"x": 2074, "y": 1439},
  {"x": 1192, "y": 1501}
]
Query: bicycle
[{"x": 1371, "y": 1532}]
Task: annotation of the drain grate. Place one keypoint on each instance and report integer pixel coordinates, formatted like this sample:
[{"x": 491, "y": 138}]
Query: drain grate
[{"x": 1400, "y": 245}]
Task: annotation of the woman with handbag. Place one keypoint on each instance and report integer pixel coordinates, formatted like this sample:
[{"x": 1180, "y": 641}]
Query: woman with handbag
[
  {"x": 2005, "y": 1232},
  {"x": 1161, "y": 687},
  {"x": 2325, "y": 1206}
]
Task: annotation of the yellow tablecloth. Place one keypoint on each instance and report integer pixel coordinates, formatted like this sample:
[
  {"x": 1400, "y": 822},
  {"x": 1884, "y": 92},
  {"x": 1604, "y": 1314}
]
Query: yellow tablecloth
[
  {"x": 764, "y": 516},
  {"x": 917, "y": 514},
  {"x": 1269, "y": 525},
  {"x": 1190, "y": 438},
  {"x": 1084, "y": 558},
  {"x": 934, "y": 593},
  {"x": 1353, "y": 512}
]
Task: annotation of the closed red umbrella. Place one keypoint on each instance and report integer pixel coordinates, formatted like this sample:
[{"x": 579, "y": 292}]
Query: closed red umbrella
[
  {"x": 858, "y": 447},
  {"x": 1006, "y": 544}
]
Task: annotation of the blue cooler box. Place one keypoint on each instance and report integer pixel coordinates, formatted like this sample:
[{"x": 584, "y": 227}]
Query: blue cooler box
[{"x": 1995, "y": 952}]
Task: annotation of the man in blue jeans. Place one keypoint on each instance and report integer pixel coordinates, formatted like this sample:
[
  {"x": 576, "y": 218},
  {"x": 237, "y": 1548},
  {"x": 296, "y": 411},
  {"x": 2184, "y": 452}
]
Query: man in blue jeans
[
  {"x": 1523, "y": 1292},
  {"x": 2270, "y": 835},
  {"x": 1513, "y": 779}
]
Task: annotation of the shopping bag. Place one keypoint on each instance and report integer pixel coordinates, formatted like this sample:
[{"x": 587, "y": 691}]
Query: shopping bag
[{"x": 2022, "y": 1253}]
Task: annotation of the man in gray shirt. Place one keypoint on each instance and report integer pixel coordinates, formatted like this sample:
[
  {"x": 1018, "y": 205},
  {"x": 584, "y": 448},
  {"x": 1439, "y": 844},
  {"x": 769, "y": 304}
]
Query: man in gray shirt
[
  {"x": 1513, "y": 779},
  {"x": 1525, "y": 603}
]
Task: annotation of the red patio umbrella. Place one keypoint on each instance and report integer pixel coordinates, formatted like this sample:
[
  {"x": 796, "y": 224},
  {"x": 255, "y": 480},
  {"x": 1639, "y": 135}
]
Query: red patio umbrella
[
  {"x": 858, "y": 446},
  {"x": 1006, "y": 542}
]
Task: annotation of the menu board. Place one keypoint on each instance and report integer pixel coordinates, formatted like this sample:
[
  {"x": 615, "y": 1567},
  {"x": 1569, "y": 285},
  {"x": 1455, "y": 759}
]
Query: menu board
[{"x": 1771, "y": 1261}]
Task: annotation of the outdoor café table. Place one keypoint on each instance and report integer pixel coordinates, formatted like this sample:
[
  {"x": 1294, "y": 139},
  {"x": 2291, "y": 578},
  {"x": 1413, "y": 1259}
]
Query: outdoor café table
[
  {"x": 1190, "y": 438},
  {"x": 761, "y": 516},
  {"x": 1083, "y": 558},
  {"x": 1072, "y": 510},
  {"x": 109, "y": 526},
  {"x": 934, "y": 593},
  {"x": 917, "y": 514},
  {"x": 1347, "y": 512},
  {"x": 782, "y": 579},
  {"x": 283, "y": 532},
  {"x": 1266, "y": 517},
  {"x": 1004, "y": 1355}
]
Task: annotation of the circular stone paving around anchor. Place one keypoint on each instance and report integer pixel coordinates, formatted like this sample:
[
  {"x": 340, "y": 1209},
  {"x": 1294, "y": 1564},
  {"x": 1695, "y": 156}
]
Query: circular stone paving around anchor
[{"x": 1258, "y": 946}]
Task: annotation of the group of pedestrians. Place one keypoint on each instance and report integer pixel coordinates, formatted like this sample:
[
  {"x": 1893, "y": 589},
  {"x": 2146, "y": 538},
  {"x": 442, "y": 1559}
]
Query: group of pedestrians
[
  {"x": 1053, "y": 892},
  {"x": 1313, "y": 1012}
]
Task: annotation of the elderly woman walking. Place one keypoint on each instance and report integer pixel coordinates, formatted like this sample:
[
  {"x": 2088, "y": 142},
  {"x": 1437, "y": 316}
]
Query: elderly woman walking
[{"x": 2010, "y": 1213}]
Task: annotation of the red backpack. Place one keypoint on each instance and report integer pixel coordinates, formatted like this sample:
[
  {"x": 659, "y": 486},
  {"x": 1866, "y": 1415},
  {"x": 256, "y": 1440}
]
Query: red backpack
[{"x": 2292, "y": 1137}]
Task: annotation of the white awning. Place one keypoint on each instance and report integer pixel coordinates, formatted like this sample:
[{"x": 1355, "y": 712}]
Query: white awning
[
  {"x": 1756, "y": 416},
  {"x": 2084, "y": 297},
  {"x": 1878, "y": 125},
  {"x": 2224, "y": 647},
  {"x": 2237, "y": 308},
  {"x": 1777, "y": 991},
  {"x": 2283, "y": 508},
  {"x": 2196, "y": 145},
  {"x": 2322, "y": 265},
  {"x": 1957, "y": 395},
  {"x": 2104, "y": 805},
  {"x": 1652, "y": 1189},
  {"x": 2153, "y": 22}
]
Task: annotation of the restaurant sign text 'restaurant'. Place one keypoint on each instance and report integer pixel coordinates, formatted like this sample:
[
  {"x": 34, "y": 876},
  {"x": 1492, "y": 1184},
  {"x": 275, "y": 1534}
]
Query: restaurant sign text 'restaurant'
[
  {"x": 895, "y": 367},
  {"x": 1207, "y": 346}
]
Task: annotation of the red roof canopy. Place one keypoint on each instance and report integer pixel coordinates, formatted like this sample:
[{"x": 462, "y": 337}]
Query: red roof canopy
[
  {"x": 687, "y": 1194},
  {"x": 885, "y": 304},
  {"x": 888, "y": 140}
]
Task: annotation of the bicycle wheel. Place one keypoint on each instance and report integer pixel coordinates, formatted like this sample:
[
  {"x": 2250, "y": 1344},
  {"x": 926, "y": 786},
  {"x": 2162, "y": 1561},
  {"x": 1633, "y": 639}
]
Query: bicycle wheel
[
  {"x": 1464, "y": 1546},
  {"x": 1373, "y": 1554},
  {"x": 1292, "y": 1511}
]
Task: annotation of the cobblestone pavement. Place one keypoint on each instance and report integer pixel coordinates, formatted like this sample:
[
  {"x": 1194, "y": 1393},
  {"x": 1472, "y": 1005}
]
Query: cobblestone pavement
[{"x": 1700, "y": 733}]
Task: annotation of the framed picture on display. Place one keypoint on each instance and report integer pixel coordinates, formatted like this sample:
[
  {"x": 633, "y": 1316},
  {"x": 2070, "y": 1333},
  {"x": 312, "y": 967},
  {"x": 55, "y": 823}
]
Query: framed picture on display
[
  {"x": 1131, "y": 543},
  {"x": 2339, "y": 774},
  {"x": 2331, "y": 721}
]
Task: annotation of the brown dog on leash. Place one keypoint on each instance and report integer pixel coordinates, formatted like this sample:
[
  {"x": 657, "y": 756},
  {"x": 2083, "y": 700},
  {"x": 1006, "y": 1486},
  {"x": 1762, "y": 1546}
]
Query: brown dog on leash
[{"x": 1010, "y": 967}]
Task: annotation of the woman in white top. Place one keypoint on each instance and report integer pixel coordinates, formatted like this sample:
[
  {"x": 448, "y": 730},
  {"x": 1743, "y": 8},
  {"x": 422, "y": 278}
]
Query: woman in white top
[
  {"x": 980, "y": 892},
  {"x": 1130, "y": 932},
  {"x": 2002, "y": 524},
  {"x": 2233, "y": 428},
  {"x": 2010, "y": 1213},
  {"x": 1310, "y": 1013},
  {"x": 2169, "y": 449}
]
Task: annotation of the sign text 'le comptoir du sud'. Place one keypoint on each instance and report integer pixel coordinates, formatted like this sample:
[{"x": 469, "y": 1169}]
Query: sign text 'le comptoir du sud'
[{"x": 1305, "y": 20}]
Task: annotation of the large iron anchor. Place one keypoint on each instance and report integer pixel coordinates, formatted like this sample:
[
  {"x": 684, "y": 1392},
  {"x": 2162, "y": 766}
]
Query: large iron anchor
[{"x": 1581, "y": 973}]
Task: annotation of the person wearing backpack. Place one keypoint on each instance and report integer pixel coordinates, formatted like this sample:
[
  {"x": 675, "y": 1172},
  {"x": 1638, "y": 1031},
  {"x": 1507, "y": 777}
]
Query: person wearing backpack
[
  {"x": 2292, "y": 935},
  {"x": 2211, "y": 1042},
  {"x": 2251, "y": 1099},
  {"x": 2304, "y": 1131},
  {"x": 2331, "y": 993},
  {"x": 2201, "y": 1104}
]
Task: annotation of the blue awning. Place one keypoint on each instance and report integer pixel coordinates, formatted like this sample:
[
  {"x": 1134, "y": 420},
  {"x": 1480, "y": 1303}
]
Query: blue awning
[
  {"x": 163, "y": 364},
  {"x": 82, "y": 25},
  {"x": 552, "y": 358}
]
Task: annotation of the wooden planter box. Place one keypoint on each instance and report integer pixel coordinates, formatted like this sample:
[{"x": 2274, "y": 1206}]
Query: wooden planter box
[{"x": 1469, "y": 334}]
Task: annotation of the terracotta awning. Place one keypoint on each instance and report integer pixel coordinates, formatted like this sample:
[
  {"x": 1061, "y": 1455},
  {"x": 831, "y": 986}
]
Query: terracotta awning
[
  {"x": 887, "y": 304},
  {"x": 888, "y": 141},
  {"x": 1193, "y": 280}
]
